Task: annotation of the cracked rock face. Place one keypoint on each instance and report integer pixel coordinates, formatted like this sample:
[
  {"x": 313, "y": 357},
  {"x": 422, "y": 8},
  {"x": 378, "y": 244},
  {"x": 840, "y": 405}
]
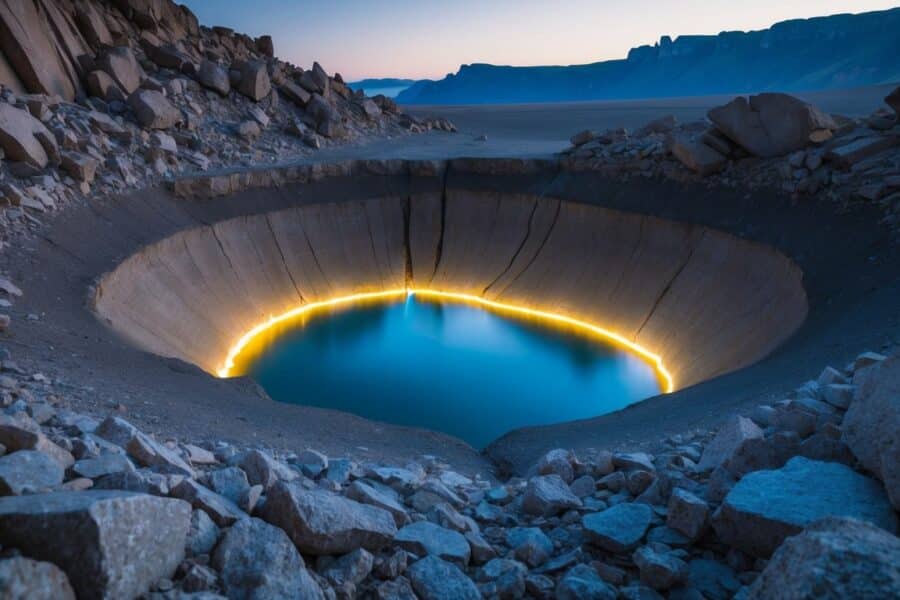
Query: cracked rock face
[{"x": 126, "y": 542}]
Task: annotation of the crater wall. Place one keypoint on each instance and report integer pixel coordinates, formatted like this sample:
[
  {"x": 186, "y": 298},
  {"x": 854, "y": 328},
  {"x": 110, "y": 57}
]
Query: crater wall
[{"x": 706, "y": 301}]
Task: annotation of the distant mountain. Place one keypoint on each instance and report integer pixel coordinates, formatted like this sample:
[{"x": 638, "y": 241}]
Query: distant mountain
[
  {"x": 805, "y": 54},
  {"x": 380, "y": 83}
]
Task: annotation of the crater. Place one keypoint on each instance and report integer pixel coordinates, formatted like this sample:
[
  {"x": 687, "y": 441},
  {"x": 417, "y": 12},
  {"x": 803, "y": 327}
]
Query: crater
[{"x": 692, "y": 301}]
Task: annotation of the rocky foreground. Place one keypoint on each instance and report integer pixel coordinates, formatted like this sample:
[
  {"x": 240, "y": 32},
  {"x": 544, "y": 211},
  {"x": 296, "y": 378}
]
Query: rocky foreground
[
  {"x": 796, "y": 500},
  {"x": 771, "y": 140}
]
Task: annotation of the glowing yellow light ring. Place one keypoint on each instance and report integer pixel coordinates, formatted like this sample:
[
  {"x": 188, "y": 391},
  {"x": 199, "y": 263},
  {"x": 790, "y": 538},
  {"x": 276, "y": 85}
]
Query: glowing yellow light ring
[{"x": 654, "y": 359}]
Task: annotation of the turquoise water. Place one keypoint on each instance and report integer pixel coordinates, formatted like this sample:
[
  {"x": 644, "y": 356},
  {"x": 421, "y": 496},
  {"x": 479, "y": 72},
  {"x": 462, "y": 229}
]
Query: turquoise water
[{"x": 451, "y": 367}]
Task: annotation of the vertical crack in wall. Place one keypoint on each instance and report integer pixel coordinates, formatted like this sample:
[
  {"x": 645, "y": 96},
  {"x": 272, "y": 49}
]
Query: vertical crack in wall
[
  {"x": 372, "y": 245},
  {"x": 315, "y": 258},
  {"x": 287, "y": 269},
  {"x": 634, "y": 249},
  {"x": 518, "y": 250},
  {"x": 407, "y": 214},
  {"x": 537, "y": 252},
  {"x": 439, "y": 250},
  {"x": 669, "y": 285}
]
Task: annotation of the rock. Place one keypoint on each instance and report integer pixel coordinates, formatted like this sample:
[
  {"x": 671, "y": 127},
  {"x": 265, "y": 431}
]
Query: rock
[
  {"x": 630, "y": 461},
  {"x": 713, "y": 579},
  {"x": 221, "y": 510},
  {"x": 770, "y": 124},
  {"x": 398, "y": 589},
  {"x": 765, "y": 507},
  {"x": 834, "y": 558},
  {"x": 871, "y": 425},
  {"x": 254, "y": 82},
  {"x": 660, "y": 571},
  {"x": 582, "y": 137},
  {"x": 436, "y": 579},
  {"x": 548, "y": 495},
  {"x": 80, "y": 166},
  {"x": 199, "y": 578},
  {"x": 125, "y": 542},
  {"x": 557, "y": 461},
  {"x": 320, "y": 110},
  {"x": 24, "y": 138},
  {"x": 503, "y": 579},
  {"x": 728, "y": 438},
  {"x": 688, "y": 514},
  {"x": 295, "y": 93},
  {"x": 202, "y": 536},
  {"x": 122, "y": 66},
  {"x": 424, "y": 538},
  {"x": 143, "y": 481},
  {"x": 101, "y": 85},
  {"x": 230, "y": 482},
  {"x": 698, "y": 157},
  {"x": 582, "y": 582},
  {"x": 366, "y": 494},
  {"x": 265, "y": 46},
  {"x": 530, "y": 545},
  {"x": 105, "y": 464},
  {"x": 858, "y": 150},
  {"x": 370, "y": 108},
  {"x": 25, "y": 579},
  {"x": 619, "y": 528},
  {"x": 214, "y": 77},
  {"x": 893, "y": 100},
  {"x": 320, "y": 522},
  {"x": 257, "y": 560},
  {"x": 262, "y": 469},
  {"x": 482, "y": 551},
  {"x": 22, "y": 433},
  {"x": 248, "y": 130},
  {"x": 28, "y": 471},
  {"x": 351, "y": 568},
  {"x": 583, "y": 486},
  {"x": 153, "y": 110},
  {"x": 838, "y": 394}
]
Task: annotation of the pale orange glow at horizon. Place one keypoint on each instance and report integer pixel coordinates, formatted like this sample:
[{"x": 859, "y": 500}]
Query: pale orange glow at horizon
[
  {"x": 654, "y": 360},
  {"x": 430, "y": 38}
]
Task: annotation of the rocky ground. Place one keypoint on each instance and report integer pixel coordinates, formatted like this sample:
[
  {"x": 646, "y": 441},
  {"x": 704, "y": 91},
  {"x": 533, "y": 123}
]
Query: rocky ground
[
  {"x": 772, "y": 141},
  {"x": 796, "y": 500}
]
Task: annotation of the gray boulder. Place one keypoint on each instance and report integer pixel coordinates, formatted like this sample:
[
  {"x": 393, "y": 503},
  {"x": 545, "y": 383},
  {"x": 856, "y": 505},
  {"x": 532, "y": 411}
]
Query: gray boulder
[
  {"x": 728, "y": 438},
  {"x": 530, "y": 545},
  {"x": 658, "y": 570},
  {"x": 582, "y": 582},
  {"x": 697, "y": 156},
  {"x": 203, "y": 534},
  {"x": 110, "y": 544},
  {"x": 105, "y": 464},
  {"x": 221, "y": 510},
  {"x": 214, "y": 77},
  {"x": 254, "y": 81},
  {"x": 548, "y": 495},
  {"x": 833, "y": 559},
  {"x": 123, "y": 67},
  {"x": 258, "y": 561},
  {"x": 28, "y": 471},
  {"x": 436, "y": 579},
  {"x": 766, "y": 507},
  {"x": 26, "y": 579},
  {"x": 425, "y": 538},
  {"x": 153, "y": 110},
  {"x": 351, "y": 568},
  {"x": 320, "y": 522},
  {"x": 24, "y": 138},
  {"x": 262, "y": 469},
  {"x": 367, "y": 494},
  {"x": 771, "y": 124},
  {"x": 619, "y": 528},
  {"x": 230, "y": 482},
  {"x": 871, "y": 427},
  {"x": 688, "y": 514}
]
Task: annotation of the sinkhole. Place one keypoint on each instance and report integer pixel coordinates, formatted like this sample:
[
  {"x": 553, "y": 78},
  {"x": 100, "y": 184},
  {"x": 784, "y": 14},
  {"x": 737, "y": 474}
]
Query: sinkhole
[
  {"x": 446, "y": 364},
  {"x": 462, "y": 311}
]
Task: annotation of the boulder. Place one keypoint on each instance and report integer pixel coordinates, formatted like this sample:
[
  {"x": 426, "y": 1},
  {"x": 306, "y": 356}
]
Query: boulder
[
  {"x": 893, "y": 100},
  {"x": 102, "y": 85},
  {"x": 215, "y": 77},
  {"x": 153, "y": 110},
  {"x": 548, "y": 495},
  {"x": 436, "y": 579},
  {"x": 80, "y": 167},
  {"x": 366, "y": 494},
  {"x": 658, "y": 570},
  {"x": 254, "y": 81},
  {"x": 202, "y": 536},
  {"x": 698, "y": 157},
  {"x": 28, "y": 471},
  {"x": 871, "y": 427},
  {"x": 728, "y": 438},
  {"x": 110, "y": 544},
  {"x": 26, "y": 579},
  {"x": 295, "y": 93},
  {"x": 320, "y": 522},
  {"x": 502, "y": 578},
  {"x": 770, "y": 124},
  {"x": 221, "y": 510},
  {"x": 230, "y": 482},
  {"x": 582, "y": 582},
  {"x": 851, "y": 153},
  {"x": 370, "y": 108},
  {"x": 262, "y": 469},
  {"x": 833, "y": 559},
  {"x": 123, "y": 67},
  {"x": 688, "y": 514},
  {"x": 424, "y": 538},
  {"x": 257, "y": 560},
  {"x": 92, "y": 26},
  {"x": 320, "y": 110},
  {"x": 715, "y": 580},
  {"x": 265, "y": 45},
  {"x": 24, "y": 138},
  {"x": 105, "y": 464},
  {"x": 765, "y": 507},
  {"x": 557, "y": 461},
  {"x": 351, "y": 568},
  {"x": 530, "y": 545},
  {"x": 619, "y": 528},
  {"x": 20, "y": 432}
]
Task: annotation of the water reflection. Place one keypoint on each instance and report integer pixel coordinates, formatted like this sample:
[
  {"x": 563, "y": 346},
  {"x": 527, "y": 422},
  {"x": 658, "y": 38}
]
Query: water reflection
[{"x": 451, "y": 367}]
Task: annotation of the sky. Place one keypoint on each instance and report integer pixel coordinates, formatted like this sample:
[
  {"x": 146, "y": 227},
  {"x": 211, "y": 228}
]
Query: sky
[{"x": 429, "y": 38}]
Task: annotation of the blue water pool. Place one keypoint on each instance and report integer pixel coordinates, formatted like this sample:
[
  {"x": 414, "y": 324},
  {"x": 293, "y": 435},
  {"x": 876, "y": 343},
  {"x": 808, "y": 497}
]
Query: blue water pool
[{"x": 446, "y": 366}]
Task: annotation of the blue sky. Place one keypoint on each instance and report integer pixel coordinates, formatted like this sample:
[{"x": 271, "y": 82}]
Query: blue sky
[{"x": 430, "y": 38}]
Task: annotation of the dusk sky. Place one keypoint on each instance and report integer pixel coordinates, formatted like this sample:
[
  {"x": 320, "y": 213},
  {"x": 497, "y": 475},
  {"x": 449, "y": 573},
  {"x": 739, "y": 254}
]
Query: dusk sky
[{"x": 430, "y": 38}]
